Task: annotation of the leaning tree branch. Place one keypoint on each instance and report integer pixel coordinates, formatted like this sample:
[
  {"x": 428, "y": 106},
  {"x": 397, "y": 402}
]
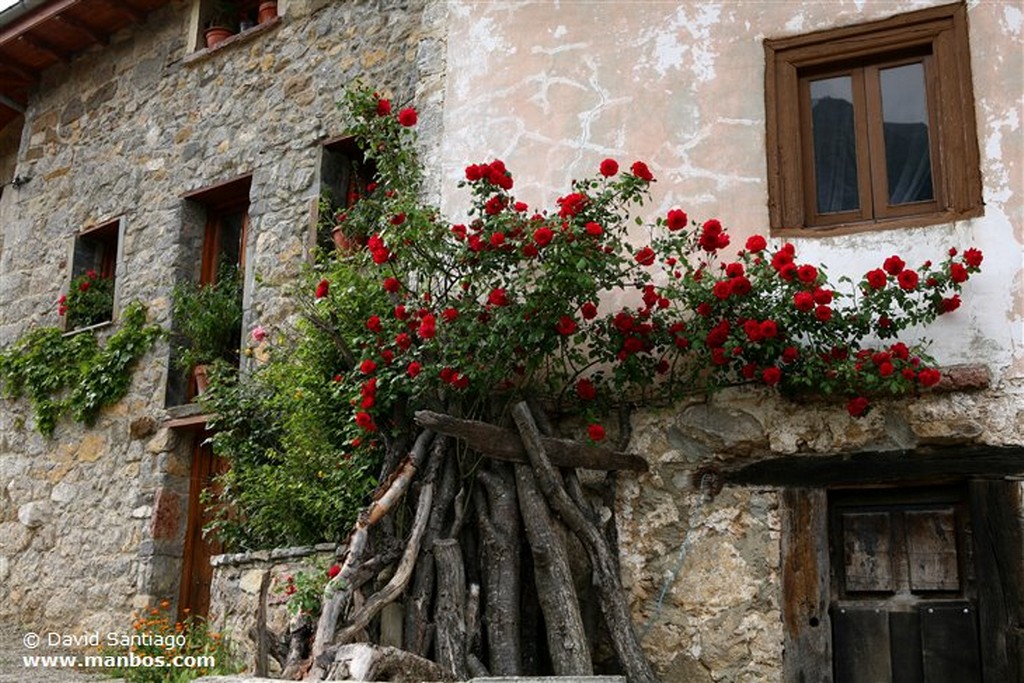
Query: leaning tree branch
[
  {"x": 337, "y": 588},
  {"x": 401, "y": 576},
  {"x": 613, "y": 602}
]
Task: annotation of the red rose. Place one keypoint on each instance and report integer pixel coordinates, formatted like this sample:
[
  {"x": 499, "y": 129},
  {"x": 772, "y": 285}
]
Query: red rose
[
  {"x": 367, "y": 367},
  {"x": 790, "y": 354},
  {"x": 771, "y": 376},
  {"x": 907, "y": 280},
  {"x": 449, "y": 315},
  {"x": 566, "y": 326},
  {"x": 497, "y": 239},
  {"x": 769, "y": 330},
  {"x": 823, "y": 313},
  {"x": 957, "y": 273},
  {"x": 822, "y": 296},
  {"x": 474, "y": 173},
  {"x": 498, "y": 297},
  {"x": 401, "y": 312},
  {"x": 858, "y": 406},
  {"x": 756, "y": 243},
  {"x": 414, "y": 369},
  {"x": 595, "y": 432},
  {"x": 645, "y": 256},
  {"x": 322, "y": 288},
  {"x": 804, "y": 301},
  {"x": 640, "y": 170},
  {"x": 403, "y": 340},
  {"x": 950, "y": 304},
  {"x": 428, "y": 327},
  {"x": 973, "y": 257},
  {"x": 753, "y": 330},
  {"x": 373, "y": 323},
  {"x": 929, "y": 377},
  {"x": 530, "y": 250},
  {"x": 333, "y": 571},
  {"x": 886, "y": 369},
  {"x": 893, "y": 265},
  {"x": 609, "y": 167},
  {"x": 392, "y": 285},
  {"x": 84, "y": 285},
  {"x": 740, "y": 286},
  {"x": 571, "y": 204},
  {"x": 589, "y": 311},
  {"x": 407, "y": 117},
  {"x": 543, "y": 235},
  {"x": 734, "y": 269},
  {"x": 586, "y": 390},
  {"x": 594, "y": 229},
  {"x": 807, "y": 274},
  {"x": 398, "y": 218},
  {"x": 383, "y": 107},
  {"x": 365, "y": 420},
  {"x": 876, "y": 278},
  {"x": 676, "y": 220}
]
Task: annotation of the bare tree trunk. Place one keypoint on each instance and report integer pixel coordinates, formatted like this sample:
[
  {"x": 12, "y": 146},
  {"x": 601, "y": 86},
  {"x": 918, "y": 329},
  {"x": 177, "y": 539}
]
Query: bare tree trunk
[
  {"x": 556, "y": 593},
  {"x": 451, "y": 608},
  {"x": 613, "y": 602},
  {"x": 498, "y": 514}
]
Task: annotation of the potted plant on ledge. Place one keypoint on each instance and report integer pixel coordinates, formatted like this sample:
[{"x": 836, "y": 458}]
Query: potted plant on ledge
[
  {"x": 222, "y": 24},
  {"x": 207, "y": 323}
]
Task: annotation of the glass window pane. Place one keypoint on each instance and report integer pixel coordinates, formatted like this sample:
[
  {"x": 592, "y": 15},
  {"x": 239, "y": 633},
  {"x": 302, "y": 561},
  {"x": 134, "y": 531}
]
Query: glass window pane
[
  {"x": 905, "y": 124},
  {"x": 835, "y": 145}
]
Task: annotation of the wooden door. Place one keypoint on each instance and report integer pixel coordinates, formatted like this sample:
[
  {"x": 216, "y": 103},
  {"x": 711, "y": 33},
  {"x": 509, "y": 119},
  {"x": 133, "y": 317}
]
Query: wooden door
[
  {"x": 196, "y": 571},
  {"x": 904, "y": 601}
]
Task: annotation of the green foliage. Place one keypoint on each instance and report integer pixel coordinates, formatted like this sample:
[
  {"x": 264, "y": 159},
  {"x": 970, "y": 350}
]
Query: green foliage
[
  {"x": 89, "y": 301},
  {"x": 303, "y": 591},
  {"x": 208, "y": 319},
  {"x": 158, "y": 641},
  {"x": 72, "y": 374}
]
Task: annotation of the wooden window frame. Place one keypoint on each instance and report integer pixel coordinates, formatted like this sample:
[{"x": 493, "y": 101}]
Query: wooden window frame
[
  {"x": 939, "y": 34},
  {"x": 108, "y": 238}
]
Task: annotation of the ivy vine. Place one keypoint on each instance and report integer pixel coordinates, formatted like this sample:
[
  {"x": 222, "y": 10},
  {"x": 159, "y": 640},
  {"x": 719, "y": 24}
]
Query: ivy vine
[{"x": 74, "y": 375}]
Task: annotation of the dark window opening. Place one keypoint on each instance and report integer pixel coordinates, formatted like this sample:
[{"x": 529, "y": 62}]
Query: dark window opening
[
  {"x": 345, "y": 178},
  {"x": 90, "y": 297}
]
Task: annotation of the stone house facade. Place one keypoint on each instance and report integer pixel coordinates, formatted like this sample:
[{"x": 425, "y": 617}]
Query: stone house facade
[{"x": 771, "y": 539}]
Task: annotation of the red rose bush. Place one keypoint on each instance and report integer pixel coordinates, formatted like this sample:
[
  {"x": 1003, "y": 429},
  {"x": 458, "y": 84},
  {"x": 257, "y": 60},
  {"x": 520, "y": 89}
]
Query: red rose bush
[{"x": 514, "y": 300}]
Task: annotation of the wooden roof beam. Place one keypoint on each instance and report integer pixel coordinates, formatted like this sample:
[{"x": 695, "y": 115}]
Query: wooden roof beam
[
  {"x": 125, "y": 7},
  {"x": 36, "y": 19},
  {"x": 11, "y": 104},
  {"x": 94, "y": 35},
  {"x": 18, "y": 69},
  {"x": 45, "y": 47}
]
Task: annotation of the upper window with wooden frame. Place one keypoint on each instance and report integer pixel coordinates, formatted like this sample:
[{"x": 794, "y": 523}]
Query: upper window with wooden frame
[
  {"x": 872, "y": 126},
  {"x": 90, "y": 299}
]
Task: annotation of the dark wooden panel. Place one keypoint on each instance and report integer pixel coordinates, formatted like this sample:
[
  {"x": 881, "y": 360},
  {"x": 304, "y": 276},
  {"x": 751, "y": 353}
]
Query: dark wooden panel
[
  {"x": 861, "y": 645},
  {"x": 867, "y": 552},
  {"x": 949, "y": 643},
  {"x": 806, "y": 622},
  {"x": 932, "y": 550},
  {"x": 905, "y": 646}
]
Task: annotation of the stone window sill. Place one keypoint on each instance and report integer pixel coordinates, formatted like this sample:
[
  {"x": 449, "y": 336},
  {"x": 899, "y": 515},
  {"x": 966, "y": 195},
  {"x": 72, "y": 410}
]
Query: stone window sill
[
  {"x": 89, "y": 328},
  {"x": 245, "y": 36}
]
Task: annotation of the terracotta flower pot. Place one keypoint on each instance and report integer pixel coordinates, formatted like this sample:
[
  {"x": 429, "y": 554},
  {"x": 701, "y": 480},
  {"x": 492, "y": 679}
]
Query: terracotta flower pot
[
  {"x": 344, "y": 243},
  {"x": 202, "y": 381},
  {"x": 217, "y": 34},
  {"x": 268, "y": 11}
]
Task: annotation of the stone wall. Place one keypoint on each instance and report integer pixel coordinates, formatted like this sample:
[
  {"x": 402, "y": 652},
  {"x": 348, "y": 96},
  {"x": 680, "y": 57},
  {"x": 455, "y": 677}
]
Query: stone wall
[
  {"x": 238, "y": 591},
  {"x": 92, "y": 521}
]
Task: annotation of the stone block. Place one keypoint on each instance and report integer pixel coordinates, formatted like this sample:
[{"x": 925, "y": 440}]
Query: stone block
[
  {"x": 35, "y": 514},
  {"x": 63, "y": 493}
]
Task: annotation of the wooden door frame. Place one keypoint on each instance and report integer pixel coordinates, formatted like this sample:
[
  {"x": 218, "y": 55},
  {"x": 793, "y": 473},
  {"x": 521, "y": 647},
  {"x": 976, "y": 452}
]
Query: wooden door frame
[
  {"x": 203, "y": 465},
  {"x": 995, "y": 513}
]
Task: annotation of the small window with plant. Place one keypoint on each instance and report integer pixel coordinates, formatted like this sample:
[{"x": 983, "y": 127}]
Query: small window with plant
[
  {"x": 225, "y": 18},
  {"x": 90, "y": 297},
  {"x": 208, "y": 324},
  {"x": 345, "y": 178}
]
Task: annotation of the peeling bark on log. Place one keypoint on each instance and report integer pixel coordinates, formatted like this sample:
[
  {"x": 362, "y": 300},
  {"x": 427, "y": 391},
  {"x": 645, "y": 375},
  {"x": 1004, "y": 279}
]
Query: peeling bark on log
[
  {"x": 505, "y": 444},
  {"x": 613, "y": 602},
  {"x": 337, "y": 588},
  {"x": 451, "y": 608},
  {"x": 402, "y": 574},
  {"x": 567, "y": 640},
  {"x": 498, "y": 514},
  {"x": 298, "y": 642}
]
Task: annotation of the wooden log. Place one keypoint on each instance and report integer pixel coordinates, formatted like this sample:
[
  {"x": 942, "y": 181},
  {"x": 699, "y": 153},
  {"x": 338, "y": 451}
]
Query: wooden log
[
  {"x": 505, "y": 444},
  {"x": 567, "y": 639},
  {"x": 613, "y": 600},
  {"x": 451, "y": 608},
  {"x": 498, "y": 517}
]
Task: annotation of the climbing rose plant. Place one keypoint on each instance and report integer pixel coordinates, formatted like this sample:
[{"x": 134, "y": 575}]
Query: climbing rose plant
[
  {"x": 584, "y": 305},
  {"x": 515, "y": 300}
]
